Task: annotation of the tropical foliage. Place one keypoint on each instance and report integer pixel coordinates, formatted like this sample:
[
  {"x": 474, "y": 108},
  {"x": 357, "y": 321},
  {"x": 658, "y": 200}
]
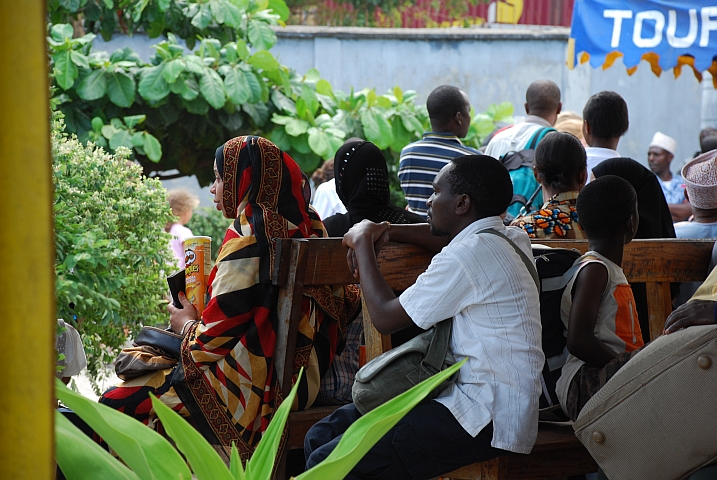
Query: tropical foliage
[
  {"x": 210, "y": 222},
  {"x": 175, "y": 110},
  {"x": 110, "y": 245},
  {"x": 147, "y": 455}
]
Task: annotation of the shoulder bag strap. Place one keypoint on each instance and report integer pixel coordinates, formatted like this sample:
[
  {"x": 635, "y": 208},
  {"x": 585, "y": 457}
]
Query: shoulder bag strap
[
  {"x": 538, "y": 136},
  {"x": 527, "y": 261}
]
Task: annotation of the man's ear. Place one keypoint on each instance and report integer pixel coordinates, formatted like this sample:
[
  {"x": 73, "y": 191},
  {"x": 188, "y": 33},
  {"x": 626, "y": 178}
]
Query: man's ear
[
  {"x": 560, "y": 108},
  {"x": 463, "y": 205},
  {"x": 458, "y": 118},
  {"x": 535, "y": 174},
  {"x": 527, "y": 110}
]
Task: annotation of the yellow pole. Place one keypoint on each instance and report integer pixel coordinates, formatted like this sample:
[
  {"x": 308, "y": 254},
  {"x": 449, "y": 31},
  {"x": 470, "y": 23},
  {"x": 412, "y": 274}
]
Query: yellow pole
[{"x": 26, "y": 246}]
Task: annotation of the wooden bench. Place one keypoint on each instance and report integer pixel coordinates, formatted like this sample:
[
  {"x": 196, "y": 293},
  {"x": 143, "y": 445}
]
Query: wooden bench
[{"x": 557, "y": 452}]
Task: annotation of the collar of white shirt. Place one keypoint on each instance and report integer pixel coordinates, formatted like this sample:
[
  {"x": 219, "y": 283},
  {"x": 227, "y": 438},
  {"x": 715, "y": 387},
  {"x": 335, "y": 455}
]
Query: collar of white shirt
[{"x": 488, "y": 222}]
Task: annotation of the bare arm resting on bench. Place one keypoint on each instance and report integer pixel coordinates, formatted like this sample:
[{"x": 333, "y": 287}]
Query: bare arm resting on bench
[{"x": 386, "y": 311}]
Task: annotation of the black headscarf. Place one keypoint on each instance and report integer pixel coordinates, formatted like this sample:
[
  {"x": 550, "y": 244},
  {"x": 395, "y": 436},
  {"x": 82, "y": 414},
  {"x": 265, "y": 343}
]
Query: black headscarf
[
  {"x": 361, "y": 179},
  {"x": 655, "y": 219}
]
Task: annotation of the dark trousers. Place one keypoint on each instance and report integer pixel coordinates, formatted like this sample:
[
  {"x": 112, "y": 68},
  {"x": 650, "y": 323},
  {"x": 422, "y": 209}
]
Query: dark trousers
[{"x": 427, "y": 442}]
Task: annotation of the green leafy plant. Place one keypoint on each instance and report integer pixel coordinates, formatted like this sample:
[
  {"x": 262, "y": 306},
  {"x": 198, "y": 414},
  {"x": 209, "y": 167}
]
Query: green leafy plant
[
  {"x": 147, "y": 455},
  {"x": 110, "y": 245}
]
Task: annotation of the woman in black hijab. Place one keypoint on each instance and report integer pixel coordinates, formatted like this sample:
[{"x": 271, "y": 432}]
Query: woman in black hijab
[
  {"x": 361, "y": 179},
  {"x": 655, "y": 218}
]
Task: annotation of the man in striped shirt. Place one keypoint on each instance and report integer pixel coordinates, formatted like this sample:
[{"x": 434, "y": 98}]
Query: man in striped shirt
[{"x": 449, "y": 112}]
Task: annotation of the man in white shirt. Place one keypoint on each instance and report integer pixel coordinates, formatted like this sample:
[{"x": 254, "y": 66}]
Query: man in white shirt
[
  {"x": 542, "y": 104},
  {"x": 605, "y": 120},
  {"x": 482, "y": 282}
]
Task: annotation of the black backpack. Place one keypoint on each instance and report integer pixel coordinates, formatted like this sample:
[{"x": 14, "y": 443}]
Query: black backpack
[{"x": 555, "y": 269}]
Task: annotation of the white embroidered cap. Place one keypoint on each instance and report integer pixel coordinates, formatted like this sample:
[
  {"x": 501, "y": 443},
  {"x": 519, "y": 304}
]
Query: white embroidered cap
[
  {"x": 664, "y": 142},
  {"x": 700, "y": 177}
]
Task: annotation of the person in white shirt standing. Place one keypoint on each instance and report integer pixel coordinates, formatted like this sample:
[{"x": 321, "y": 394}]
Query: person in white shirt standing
[
  {"x": 481, "y": 281},
  {"x": 605, "y": 120}
]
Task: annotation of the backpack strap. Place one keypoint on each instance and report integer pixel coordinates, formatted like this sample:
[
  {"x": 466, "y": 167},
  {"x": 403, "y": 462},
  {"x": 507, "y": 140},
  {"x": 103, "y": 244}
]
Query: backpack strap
[{"x": 538, "y": 136}]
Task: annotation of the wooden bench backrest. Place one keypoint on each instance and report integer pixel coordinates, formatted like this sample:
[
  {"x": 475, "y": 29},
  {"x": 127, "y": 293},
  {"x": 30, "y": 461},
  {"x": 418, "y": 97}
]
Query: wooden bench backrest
[{"x": 302, "y": 263}]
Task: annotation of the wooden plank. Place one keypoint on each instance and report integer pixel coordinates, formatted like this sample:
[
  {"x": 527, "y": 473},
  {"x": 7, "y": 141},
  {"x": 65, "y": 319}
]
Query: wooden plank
[
  {"x": 659, "y": 260},
  {"x": 659, "y": 306},
  {"x": 289, "y": 314},
  {"x": 495, "y": 469},
  {"x": 301, "y": 422},
  {"x": 375, "y": 343}
]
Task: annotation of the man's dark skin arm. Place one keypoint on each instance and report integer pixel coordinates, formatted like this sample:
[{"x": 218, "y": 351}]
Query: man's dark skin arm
[
  {"x": 695, "y": 312},
  {"x": 582, "y": 342},
  {"x": 416, "y": 234},
  {"x": 387, "y": 313}
]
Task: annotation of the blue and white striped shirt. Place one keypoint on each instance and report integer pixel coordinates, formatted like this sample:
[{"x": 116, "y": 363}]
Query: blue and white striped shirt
[{"x": 420, "y": 163}]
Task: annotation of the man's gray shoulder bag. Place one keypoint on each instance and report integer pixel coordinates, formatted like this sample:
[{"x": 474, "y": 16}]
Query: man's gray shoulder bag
[{"x": 399, "y": 369}]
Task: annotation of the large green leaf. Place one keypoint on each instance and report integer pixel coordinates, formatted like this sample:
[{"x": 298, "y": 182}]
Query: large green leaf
[
  {"x": 212, "y": 88},
  {"x": 61, "y": 32},
  {"x": 203, "y": 18},
  {"x": 218, "y": 9},
  {"x": 152, "y": 147},
  {"x": 145, "y": 451},
  {"x": 319, "y": 142},
  {"x": 173, "y": 69},
  {"x": 283, "y": 102},
  {"x": 296, "y": 127},
  {"x": 261, "y": 36},
  {"x": 133, "y": 120},
  {"x": 233, "y": 15},
  {"x": 81, "y": 458},
  {"x": 92, "y": 86},
  {"x": 264, "y": 60},
  {"x": 121, "y": 89},
  {"x": 258, "y": 112},
  {"x": 189, "y": 89},
  {"x": 235, "y": 466},
  {"x": 324, "y": 87},
  {"x": 279, "y": 7},
  {"x": 261, "y": 463},
  {"x": 79, "y": 59},
  {"x": 123, "y": 138},
  {"x": 279, "y": 137},
  {"x": 254, "y": 86},
  {"x": 501, "y": 111},
  {"x": 152, "y": 85},
  {"x": 65, "y": 70},
  {"x": 401, "y": 136},
  {"x": 376, "y": 128},
  {"x": 412, "y": 123},
  {"x": 237, "y": 86},
  {"x": 205, "y": 461},
  {"x": 370, "y": 428}
]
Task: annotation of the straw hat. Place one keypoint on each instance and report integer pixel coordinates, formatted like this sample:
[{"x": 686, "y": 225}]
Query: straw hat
[
  {"x": 701, "y": 180},
  {"x": 665, "y": 142}
]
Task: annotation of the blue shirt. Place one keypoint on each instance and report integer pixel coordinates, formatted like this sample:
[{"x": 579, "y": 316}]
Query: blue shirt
[
  {"x": 674, "y": 189},
  {"x": 420, "y": 163}
]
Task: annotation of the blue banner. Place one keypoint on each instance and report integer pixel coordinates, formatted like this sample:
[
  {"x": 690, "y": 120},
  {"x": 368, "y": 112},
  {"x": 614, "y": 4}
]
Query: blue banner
[{"x": 669, "y": 28}]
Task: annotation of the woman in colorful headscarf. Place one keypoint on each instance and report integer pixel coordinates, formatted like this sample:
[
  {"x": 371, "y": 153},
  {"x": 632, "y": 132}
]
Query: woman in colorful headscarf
[
  {"x": 225, "y": 380},
  {"x": 362, "y": 185}
]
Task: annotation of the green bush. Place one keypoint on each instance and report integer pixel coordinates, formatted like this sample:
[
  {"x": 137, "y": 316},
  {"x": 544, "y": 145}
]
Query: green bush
[{"x": 111, "y": 248}]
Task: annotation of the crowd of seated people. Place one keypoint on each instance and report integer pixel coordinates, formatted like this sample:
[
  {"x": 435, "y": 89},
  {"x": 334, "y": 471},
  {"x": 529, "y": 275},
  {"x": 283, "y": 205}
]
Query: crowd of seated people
[{"x": 225, "y": 379}]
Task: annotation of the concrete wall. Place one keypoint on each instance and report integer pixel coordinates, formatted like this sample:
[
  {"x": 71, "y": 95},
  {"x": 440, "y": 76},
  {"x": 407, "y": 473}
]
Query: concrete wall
[{"x": 495, "y": 65}]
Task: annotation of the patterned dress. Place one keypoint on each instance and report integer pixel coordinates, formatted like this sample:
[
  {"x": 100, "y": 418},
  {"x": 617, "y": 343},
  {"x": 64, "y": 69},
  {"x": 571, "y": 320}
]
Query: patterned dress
[
  {"x": 556, "y": 219},
  {"x": 225, "y": 380}
]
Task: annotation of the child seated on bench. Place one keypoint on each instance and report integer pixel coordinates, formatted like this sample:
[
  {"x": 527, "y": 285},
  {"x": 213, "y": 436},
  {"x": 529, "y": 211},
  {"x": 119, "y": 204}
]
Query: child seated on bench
[{"x": 598, "y": 308}]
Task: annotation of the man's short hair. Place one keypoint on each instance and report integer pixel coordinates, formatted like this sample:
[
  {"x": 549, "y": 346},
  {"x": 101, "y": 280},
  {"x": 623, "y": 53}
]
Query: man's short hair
[
  {"x": 542, "y": 96},
  {"x": 606, "y": 113},
  {"x": 485, "y": 180},
  {"x": 709, "y": 144},
  {"x": 444, "y": 102},
  {"x": 707, "y": 132},
  {"x": 605, "y": 205}
]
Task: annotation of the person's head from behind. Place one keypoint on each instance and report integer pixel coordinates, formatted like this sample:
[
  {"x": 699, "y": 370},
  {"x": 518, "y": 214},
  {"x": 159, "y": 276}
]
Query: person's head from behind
[
  {"x": 449, "y": 110},
  {"x": 605, "y": 119},
  {"x": 182, "y": 203},
  {"x": 469, "y": 188},
  {"x": 361, "y": 175},
  {"x": 660, "y": 153},
  {"x": 543, "y": 100},
  {"x": 570, "y": 122},
  {"x": 705, "y": 133},
  {"x": 560, "y": 164},
  {"x": 700, "y": 177},
  {"x": 607, "y": 209},
  {"x": 709, "y": 143}
]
